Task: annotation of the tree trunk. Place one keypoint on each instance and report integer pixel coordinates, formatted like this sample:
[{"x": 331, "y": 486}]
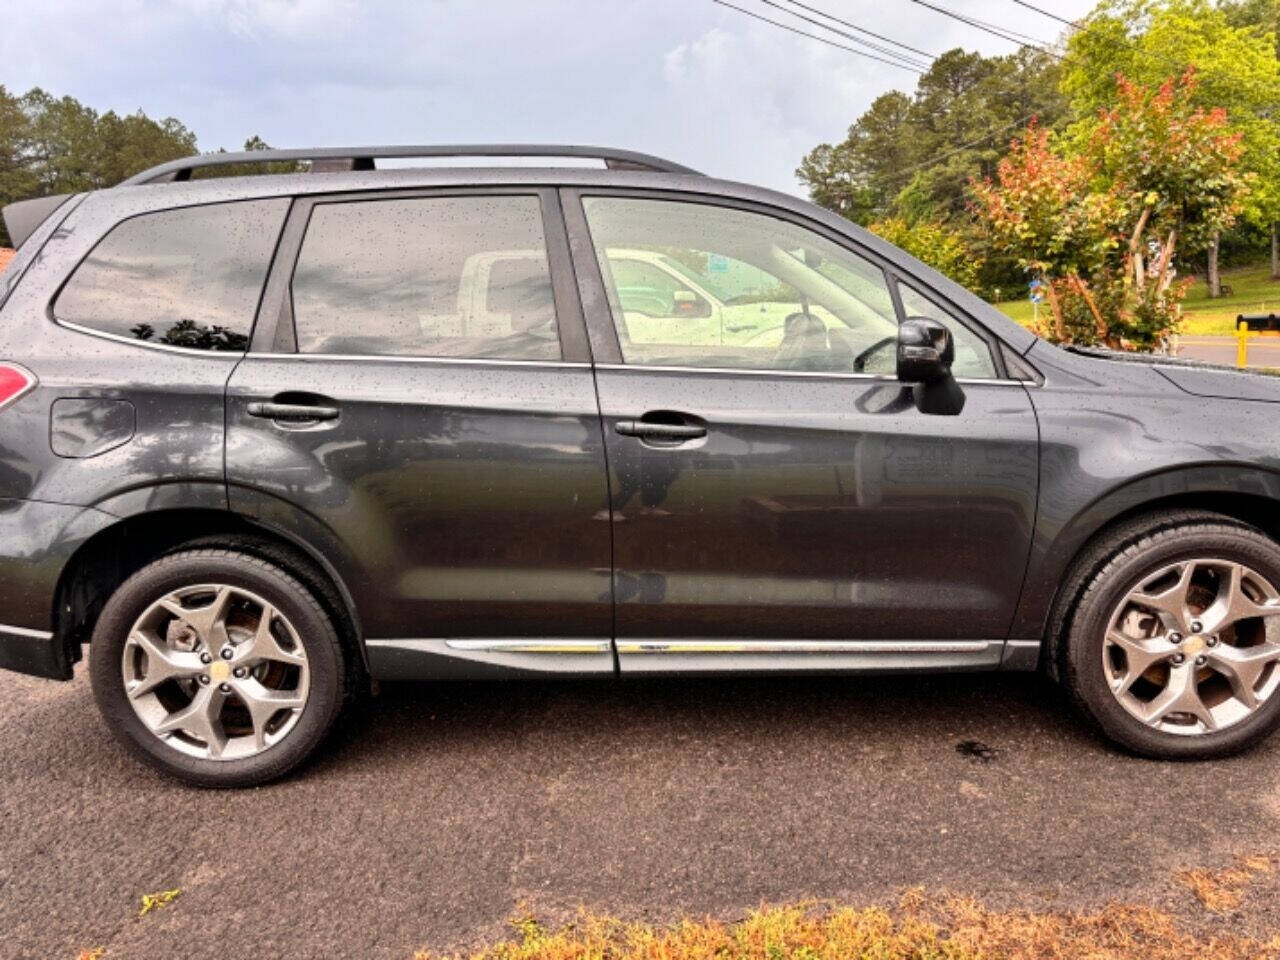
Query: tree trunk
[
  {"x": 1215, "y": 281},
  {"x": 1275, "y": 251}
]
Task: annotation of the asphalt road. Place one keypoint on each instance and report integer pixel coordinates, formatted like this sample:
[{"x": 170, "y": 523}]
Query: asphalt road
[
  {"x": 437, "y": 809},
  {"x": 1263, "y": 351}
]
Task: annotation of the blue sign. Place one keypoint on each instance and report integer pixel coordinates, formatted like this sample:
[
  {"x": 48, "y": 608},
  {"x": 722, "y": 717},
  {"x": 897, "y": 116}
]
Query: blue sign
[{"x": 718, "y": 263}]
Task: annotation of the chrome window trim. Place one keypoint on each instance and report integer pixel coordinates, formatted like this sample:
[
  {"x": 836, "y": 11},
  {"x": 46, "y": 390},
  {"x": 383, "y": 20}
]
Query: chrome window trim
[
  {"x": 755, "y": 371},
  {"x": 378, "y": 357},
  {"x": 133, "y": 341}
]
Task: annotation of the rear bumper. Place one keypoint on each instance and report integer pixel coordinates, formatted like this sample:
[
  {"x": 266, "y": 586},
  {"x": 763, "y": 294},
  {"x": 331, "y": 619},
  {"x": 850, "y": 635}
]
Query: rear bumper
[
  {"x": 36, "y": 541},
  {"x": 37, "y": 652}
]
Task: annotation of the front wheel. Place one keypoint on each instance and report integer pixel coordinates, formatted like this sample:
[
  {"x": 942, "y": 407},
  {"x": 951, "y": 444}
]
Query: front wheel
[
  {"x": 217, "y": 668},
  {"x": 1174, "y": 646}
]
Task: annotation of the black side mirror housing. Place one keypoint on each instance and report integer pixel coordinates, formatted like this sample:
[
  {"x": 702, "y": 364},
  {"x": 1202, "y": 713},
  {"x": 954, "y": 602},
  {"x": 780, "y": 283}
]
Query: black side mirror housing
[
  {"x": 925, "y": 354},
  {"x": 925, "y": 351}
]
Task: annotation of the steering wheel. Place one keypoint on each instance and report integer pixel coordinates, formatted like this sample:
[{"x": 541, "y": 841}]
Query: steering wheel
[{"x": 860, "y": 361}]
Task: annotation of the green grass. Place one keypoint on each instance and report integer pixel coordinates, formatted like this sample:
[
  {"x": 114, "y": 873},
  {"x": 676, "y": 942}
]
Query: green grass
[{"x": 1253, "y": 291}]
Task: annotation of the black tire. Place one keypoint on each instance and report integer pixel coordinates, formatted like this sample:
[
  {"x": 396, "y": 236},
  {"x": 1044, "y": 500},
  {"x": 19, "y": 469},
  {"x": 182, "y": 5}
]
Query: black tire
[
  {"x": 324, "y": 656},
  {"x": 1108, "y": 571}
]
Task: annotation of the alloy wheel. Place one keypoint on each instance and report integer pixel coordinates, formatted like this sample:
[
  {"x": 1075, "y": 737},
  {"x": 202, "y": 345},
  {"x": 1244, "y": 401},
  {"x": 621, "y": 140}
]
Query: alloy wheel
[
  {"x": 216, "y": 672},
  {"x": 1194, "y": 646}
]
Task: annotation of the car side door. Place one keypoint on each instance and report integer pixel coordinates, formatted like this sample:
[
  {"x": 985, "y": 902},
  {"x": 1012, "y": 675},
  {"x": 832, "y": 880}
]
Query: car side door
[
  {"x": 779, "y": 501},
  {"x": 447, "y": 459}
]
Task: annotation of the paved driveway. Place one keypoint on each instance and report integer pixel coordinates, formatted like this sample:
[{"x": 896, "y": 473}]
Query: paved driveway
[{"x": 437, "y": 809}]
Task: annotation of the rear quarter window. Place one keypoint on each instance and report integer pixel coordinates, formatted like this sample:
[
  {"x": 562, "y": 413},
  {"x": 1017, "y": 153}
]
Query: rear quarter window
[{"x": 189, "y": 277}]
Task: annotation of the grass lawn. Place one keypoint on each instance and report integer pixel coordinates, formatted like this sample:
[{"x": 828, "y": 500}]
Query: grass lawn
[{"x": 1253, "y": 291}]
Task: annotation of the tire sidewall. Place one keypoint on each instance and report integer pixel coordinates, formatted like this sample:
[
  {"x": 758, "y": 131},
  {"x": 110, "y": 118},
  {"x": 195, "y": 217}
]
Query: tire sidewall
[
  {"x": 1089, "y": 624},
  {"x": 315, "y": 631}
]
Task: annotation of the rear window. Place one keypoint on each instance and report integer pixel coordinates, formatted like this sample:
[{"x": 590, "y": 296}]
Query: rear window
[
  {"x": 428, "y": 277},
  {"x": 186, "y": 278}
]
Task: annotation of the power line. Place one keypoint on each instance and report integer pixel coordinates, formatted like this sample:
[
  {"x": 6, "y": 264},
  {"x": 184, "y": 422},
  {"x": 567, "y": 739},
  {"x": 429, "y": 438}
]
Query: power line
[
  {"x": 870, "y": 33},
  {"x": 887, "y": 51},
  {"x": 1047, "y": 13},
  {"x": 1026, "y": 42},
  {"x": 814, "y": 36}
]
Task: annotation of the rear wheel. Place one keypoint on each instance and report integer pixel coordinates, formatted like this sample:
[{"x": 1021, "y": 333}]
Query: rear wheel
[
  {"x": 217, "y": 668},
  {"x": 1174, "y": 646}
]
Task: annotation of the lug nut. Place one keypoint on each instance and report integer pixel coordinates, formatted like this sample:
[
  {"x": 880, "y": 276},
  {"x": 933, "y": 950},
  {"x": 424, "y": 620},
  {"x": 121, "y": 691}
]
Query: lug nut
[
  {"x": 205, "y": 658},
  {"x": 1179, "y": 658},
  {"x": 1196, "y": 626},
  {"x": 227, "y": 653},
  {"x": 240, "y": 673},
  {"x": 204, "y": 679},
  {"x": 1211, "y": 641},
  {"x": 224, "y": 687},
  {"x": 1201, "y": 661},
  {"x": 1175, "y": 637}
]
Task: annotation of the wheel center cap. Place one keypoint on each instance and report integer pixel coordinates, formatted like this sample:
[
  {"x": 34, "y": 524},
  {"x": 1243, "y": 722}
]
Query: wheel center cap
[
  {"x": 219, "y": 670},
  {"x": 1194, "y": 645}
]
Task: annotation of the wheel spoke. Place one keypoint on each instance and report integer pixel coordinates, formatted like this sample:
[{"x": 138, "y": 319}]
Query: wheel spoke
[
  {"x": 1171, "y": 604},
  {"x": 201, "y": 718},
  {"x": 1139, "y": 654},
  {"x": 163, "y": 663},
  {"x": 1243, "y": 667},
  {"x": 1180, "y": 695},
  {"x": 265, "y": 646},
  {"x": 1232, "y": 604},
  {"x": 209, "y": 622},
  {"x": 264, "y": 703}
]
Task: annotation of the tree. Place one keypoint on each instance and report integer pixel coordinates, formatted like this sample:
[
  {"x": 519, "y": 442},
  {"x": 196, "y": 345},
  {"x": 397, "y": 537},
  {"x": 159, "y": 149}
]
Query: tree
[
  {"x": 1102, "y": 220},
  {"x": 58, "y": 145},
  {"x": 1151, "y": 41},
  {"x": 914, "y": 156},
  {"x": 942, "y": 247}
]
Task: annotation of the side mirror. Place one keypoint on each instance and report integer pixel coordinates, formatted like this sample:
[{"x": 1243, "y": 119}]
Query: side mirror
[
  {"x": 925, "y": 354},
  {"x": 925, "y": 351}
]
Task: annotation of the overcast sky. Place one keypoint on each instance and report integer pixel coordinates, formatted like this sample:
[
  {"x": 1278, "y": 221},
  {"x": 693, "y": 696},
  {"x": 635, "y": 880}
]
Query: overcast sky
[{"x": 684, "y": 79}]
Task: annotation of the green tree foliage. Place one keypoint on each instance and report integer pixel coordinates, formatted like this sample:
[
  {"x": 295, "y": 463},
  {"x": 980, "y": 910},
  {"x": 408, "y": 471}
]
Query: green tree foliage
[
  {"x": 940, "y": 246},
  {"x": 1101, "y": 220},
  {"x": 1232, "y": 48},
  {"x": 58, "y": 145},
  {"x": 913, "y": 156}
]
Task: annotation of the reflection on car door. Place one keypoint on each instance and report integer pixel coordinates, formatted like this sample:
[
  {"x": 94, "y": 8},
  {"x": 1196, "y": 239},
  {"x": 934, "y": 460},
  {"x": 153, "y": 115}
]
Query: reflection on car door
[{"x": 802, "y": 516}]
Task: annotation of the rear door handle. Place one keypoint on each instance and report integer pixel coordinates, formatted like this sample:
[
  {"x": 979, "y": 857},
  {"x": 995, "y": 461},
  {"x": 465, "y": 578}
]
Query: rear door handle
[
  {"x": 293, "y": 412},
  {"x": 659, "y": 431}
]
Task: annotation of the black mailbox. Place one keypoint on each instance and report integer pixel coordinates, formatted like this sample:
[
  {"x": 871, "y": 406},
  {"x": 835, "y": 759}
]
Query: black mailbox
[{"x": 1259, "y": 322}]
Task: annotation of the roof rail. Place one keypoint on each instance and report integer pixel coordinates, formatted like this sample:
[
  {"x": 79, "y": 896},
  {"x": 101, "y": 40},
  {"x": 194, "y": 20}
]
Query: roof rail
[{"x": 331, "y": 159}]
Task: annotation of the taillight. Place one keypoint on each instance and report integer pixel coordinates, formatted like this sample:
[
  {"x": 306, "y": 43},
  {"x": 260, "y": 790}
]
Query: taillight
[{"x": 14, "y": 382}]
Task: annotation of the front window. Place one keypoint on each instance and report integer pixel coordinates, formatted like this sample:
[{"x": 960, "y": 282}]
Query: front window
[
  {"x": 738, "y": 289},
  {"x": 747, "y": 290}
]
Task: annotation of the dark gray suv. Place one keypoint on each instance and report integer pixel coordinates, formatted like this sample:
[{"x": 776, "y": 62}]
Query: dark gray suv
[{"x": 264, "y": 440}]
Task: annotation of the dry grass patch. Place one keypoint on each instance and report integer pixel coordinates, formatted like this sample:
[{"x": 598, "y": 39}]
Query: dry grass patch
[
  {"x": 919, "y": 929},
  {"x": 1220, "y": 890}
]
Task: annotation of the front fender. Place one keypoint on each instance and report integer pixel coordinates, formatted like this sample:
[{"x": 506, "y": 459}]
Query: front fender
[{"x": 1059, "y": 538}]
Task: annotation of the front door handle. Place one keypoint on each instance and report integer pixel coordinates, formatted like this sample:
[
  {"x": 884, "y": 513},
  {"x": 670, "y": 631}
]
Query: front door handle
[
  {"x": 648, "y": 430},
  {"x": 293, "y": 412}
]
